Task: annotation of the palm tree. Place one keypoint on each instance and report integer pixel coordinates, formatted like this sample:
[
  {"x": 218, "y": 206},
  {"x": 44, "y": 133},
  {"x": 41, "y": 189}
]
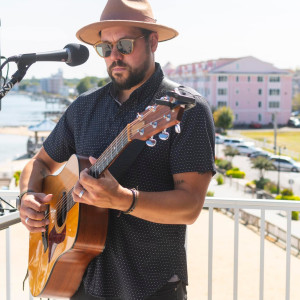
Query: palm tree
[
  {"x": 230, "y": 152},
  {"x": 263, "y": 164}
]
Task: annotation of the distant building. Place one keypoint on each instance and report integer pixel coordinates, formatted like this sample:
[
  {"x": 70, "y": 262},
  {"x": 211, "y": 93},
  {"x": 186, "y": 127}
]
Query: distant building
[
  {"x": 54, "y": 84},
  {"x": 296, "y": 82},
  {"x": 255, "y": 90}
]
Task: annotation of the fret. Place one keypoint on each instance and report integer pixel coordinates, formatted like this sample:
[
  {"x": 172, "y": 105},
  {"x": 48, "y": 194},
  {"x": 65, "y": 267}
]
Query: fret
[{"x": 109, "y": 154}]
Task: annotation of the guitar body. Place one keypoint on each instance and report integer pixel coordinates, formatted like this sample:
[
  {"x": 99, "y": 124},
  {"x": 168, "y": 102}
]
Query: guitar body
[{"x": 59, "y": 257}]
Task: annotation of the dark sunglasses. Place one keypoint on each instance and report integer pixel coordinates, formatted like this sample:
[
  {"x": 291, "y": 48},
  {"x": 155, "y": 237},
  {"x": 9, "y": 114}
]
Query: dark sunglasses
[{"x": 124, "y": 46}]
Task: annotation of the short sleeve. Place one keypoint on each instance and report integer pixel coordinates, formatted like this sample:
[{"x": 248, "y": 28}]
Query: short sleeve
[
  {"x": 193, "y": 150},
  {"x": 60, "y": 143}
]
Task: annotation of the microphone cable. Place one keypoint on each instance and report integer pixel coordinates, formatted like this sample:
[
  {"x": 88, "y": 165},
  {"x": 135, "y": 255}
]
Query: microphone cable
[{"x": 7, "y": 71}]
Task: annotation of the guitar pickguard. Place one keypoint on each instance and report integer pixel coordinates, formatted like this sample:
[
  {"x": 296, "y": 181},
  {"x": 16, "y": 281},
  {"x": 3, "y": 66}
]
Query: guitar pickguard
[{"x": 55, "y": 238}]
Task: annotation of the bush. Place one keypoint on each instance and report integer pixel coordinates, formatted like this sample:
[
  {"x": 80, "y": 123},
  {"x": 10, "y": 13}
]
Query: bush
[
  {"x": 283, "y": 197},
  {"x": 224, "y": 164},
  {"x": 260, "y": 184},
  {"x": 270, "y": 187},
  {"x": 17, "y": 175},
  {"x": 287, "y": 192},
  {"x": 295, "y": 215},
  {"x": 210, "y": 193},
  {"x": 220, "y": 179},
  {"x": 235, "y": 173}
]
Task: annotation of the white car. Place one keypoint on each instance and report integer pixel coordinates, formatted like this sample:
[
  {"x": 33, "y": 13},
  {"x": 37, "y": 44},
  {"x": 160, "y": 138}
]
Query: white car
[
  {"x": 232, "y": 141},
  {"x": 285, "y": 163},
  {"x": 245, "y": 149},
  {"x": 219, "y": 139}
]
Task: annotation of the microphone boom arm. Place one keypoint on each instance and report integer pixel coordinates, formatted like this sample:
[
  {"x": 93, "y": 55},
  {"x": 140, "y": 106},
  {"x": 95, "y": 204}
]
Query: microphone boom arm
[{"x": 16, "y": 77}]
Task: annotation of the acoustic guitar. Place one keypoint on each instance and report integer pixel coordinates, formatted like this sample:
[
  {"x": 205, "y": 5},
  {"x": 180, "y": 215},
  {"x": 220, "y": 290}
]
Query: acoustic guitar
[{"x": 77, "y": 232}]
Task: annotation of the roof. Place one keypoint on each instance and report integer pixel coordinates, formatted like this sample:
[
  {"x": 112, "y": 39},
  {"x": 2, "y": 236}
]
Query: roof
[{"x": 46, "y": 125}]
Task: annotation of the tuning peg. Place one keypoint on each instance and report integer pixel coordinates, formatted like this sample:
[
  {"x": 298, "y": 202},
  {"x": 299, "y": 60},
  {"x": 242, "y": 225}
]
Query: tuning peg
[
  {"x": 177, "y": 128},
  {"x": 151, "y": 142},
  {"x": 164, "y": 135}
]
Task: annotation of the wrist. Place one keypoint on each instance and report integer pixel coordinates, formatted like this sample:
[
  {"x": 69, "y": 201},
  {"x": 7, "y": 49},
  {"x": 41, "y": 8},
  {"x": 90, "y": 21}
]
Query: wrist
[{"x": 19, "y": 198}]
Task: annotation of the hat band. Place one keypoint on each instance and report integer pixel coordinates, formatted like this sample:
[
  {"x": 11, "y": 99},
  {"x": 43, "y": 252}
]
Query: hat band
[{"x": 133, "y": 17}]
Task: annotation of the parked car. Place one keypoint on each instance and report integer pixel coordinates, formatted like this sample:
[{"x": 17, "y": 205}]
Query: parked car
[
  {"x": 285, "y": 163},
  {"x": 245, "y": 149},
  {"x": 259, "y": 153},
  {"x": 219, "y": 139},
  {"x": 293, "y": 122},
  {"x": 255, "y": 125},
  {"x": 232, "y": 141}
]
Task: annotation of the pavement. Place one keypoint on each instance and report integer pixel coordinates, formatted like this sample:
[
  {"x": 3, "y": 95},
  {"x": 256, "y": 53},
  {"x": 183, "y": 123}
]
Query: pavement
[{"x": 197, "y": 250}]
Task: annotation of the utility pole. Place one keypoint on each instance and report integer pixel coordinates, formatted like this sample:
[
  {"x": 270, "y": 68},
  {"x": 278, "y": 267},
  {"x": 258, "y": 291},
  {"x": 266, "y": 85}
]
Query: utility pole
[{"x": 274, "y": 117}]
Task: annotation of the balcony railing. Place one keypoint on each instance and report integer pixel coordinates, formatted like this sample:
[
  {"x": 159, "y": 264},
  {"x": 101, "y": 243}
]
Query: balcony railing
[{"x": 236, "y": 206}]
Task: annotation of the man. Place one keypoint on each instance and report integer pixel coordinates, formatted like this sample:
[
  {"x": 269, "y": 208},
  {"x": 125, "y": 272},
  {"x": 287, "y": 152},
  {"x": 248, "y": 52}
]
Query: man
[{"x": 145, "y": 256}]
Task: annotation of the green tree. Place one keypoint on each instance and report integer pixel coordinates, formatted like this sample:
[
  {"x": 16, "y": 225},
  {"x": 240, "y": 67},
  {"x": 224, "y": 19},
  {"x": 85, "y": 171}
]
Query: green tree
[
  {"x": 223, "y": 117},
  {"x": 262, "y": 164},
  {"x": 84, "y": 85},
  {"x": 296, "y": 102},
  {"x": 103, "y": 81},
  {"x": 230, "y": 152}
]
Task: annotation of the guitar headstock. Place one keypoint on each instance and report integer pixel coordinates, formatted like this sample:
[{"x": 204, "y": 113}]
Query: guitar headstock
[{"x": 167, "y": 112}]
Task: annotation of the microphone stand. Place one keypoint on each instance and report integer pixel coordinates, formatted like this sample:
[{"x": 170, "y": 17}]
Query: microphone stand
[{"x": 16, "y": 77}]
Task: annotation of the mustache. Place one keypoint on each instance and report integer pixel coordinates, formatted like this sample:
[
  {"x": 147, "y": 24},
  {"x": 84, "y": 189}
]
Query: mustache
[{"x": 117, "y": 63}]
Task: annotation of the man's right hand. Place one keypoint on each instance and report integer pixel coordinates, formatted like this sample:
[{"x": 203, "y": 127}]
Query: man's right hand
[{"x": 32, "y": 211}]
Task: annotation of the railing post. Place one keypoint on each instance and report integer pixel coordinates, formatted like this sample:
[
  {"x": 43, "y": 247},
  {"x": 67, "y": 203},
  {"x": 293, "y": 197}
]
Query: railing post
[
  {"x": 288, "y": 254},
  {"x": 236, "y": 253},
  {"x": 262, "y": 255},
  {"x": 7, "y": 233},
  {"x": 210, "y": 252}
]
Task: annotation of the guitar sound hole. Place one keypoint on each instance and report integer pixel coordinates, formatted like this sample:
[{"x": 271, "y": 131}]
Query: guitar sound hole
[{"x": 62, "y": 210}]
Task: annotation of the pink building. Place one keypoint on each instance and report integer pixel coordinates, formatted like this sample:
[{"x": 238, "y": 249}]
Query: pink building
[{"x": 253, "y": 89}]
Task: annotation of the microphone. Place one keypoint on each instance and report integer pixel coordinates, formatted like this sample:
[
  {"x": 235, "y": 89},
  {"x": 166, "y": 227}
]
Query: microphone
[{"x": 72, "y": 55}]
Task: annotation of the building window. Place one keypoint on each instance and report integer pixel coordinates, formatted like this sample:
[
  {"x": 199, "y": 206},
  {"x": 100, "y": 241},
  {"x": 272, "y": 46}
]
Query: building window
[
  {"x": 222, "y": 78},
  {"x": 274, "y": 104},
  {"x": 237, "y": 79},
  {"x": 259, "y": 103},
  {"x": 259, "y": 91},
  {"x": 236, "y": 117},
  {"x": 260, "y": 79},
  {"x": 236, "y": 103},
  {"x": 237, "y": 91},
  {"x": 274, "y": 92},
  {"x": 249, "y": 78},
  {"x": 222, "y": 103},
  {"x": 222, "y": 91},
  {"x": 274, "y": 79},
  {"x": 259, "y": 117}
]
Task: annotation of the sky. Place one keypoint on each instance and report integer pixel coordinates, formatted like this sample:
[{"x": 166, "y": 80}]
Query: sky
[{"x": 266, "y": 29}]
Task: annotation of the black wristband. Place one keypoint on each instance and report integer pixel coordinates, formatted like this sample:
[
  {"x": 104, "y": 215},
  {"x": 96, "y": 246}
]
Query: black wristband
[{"x": 134, "y": 202}]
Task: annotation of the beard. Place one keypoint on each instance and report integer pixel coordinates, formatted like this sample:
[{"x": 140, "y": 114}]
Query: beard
[{"x": 135, "y": 75}]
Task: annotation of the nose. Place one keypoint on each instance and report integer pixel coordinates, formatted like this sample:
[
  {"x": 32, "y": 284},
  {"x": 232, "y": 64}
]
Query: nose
[{"x": 115, "y": 54}]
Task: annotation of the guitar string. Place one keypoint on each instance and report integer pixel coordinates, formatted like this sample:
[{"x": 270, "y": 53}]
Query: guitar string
[
  {"x": 124, "y": 132},
  {"x": 64, "y": 199}
]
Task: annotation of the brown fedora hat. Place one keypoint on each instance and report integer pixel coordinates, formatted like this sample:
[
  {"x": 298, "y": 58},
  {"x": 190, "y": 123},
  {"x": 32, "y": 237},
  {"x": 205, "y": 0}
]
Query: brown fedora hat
[{"x": 136, "y": 13}]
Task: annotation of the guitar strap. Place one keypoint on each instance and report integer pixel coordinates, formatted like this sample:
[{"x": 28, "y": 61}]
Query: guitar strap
[{"x": 131, "y": 152}]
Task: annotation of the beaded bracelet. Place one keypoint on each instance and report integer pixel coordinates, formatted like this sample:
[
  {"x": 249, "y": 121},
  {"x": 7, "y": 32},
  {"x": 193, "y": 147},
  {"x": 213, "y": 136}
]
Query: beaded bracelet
[{"x": 134, "y": 202}]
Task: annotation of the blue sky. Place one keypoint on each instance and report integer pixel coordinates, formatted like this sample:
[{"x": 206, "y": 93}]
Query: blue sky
[{"x": 268, "y": 30}]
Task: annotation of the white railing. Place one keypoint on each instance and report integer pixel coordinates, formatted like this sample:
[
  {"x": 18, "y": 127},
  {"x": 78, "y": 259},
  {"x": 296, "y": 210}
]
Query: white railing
[{"x": 237, "y": 205}]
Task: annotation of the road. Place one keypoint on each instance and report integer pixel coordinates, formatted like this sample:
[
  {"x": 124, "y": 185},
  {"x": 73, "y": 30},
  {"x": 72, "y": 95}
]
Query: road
[{"x": 244, "y": 163}]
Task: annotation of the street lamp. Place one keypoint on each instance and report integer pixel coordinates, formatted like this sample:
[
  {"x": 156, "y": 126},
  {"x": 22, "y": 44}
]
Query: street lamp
[{"x": 278, "y": 180}]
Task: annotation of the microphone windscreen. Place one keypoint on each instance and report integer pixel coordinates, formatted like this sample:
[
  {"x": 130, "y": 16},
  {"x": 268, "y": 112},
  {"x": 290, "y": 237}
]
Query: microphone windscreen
[{"x": 79, "y": 54}]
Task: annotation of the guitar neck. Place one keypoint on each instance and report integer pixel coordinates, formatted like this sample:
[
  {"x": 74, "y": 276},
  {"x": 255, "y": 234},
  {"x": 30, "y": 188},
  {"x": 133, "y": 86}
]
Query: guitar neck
[{"x": 110, "y": 154}]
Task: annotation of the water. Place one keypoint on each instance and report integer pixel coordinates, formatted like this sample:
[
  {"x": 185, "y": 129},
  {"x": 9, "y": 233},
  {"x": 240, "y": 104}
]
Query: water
[{"x": 20, "y": 110}]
